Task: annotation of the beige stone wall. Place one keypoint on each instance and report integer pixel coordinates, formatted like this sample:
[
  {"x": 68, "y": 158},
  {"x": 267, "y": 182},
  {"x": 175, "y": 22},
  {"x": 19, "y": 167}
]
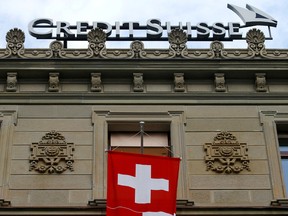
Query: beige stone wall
[
  {"x": 209, "y": 188},
  {"x": 30, "y": 188},
  {"x": 78, "y": 124}
]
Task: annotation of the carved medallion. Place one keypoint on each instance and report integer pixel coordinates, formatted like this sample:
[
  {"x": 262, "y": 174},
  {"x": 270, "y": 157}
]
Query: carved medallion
[
  {"x": 56, "y": 48},
  {"x": 136, "y": 49},
  {"x": 217, "y": 49},
  {"x": 226, "y": 155},
  {"x": 52, "y": 154}
]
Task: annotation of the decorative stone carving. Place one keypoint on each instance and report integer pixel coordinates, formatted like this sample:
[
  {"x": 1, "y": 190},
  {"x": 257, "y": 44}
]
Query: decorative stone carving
[
  {"x": 220, "y": 82},
  {"x": 137, "y": 49},
  {"x": 96, "y": 39},
  {"x": 15, "y": 42},
  {"x": 96, "y": 82},
  {"x": 52, "y": 154},
  {"x": 56, "y": 48},
  {"x": 226, "y": 155},
  {"x": 260, "y": 82},
  {"x": 53, "y": 82},
  {"x": 255, "y": 39},
  {"x": 11, "y": 82},
  {"x": 177, "y": 49},
  {"x": 138, "y": 82},
  {"x": 216, "y": 50},
  {"x": 179, "y": 83},
  {"x": 178, "y": 39},
  {"x": 4, "y": 203}
]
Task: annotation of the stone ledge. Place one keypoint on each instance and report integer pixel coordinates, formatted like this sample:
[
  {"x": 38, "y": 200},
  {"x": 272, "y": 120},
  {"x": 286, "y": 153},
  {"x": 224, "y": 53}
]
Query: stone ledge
[
  {"x": 4, "y": 203},
  {"x": 97, "y": 203},
  {"x": 280, "y": 202},
  {"x": 103, "y": 203},
  {"x": 101, "y": 211}
]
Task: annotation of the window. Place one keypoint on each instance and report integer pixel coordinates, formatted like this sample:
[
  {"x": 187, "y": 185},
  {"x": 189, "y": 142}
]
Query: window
[
  {"x": 126, "y": 137},
  {"x": 161, "y": 123},
  {"x": 282, "y": 131}
]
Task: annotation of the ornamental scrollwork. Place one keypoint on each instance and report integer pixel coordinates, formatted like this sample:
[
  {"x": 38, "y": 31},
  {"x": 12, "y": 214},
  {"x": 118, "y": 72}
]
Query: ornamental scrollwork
[
  {"x": 255, "y": 40},
  {"x": 178, "y": 39},
  {"x": 15, "y": 43},
  {"x": 226, "y": 155},
  {"x": 217, "y": 50},
  {"x": 136, "y": 50},
  {"x": 56, "y": 50},
  {"x": 52, "y": 154},
  {"x": 96, "y": 39}
]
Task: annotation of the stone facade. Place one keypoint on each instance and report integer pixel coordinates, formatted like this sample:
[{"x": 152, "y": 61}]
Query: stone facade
[{"x": 63, "y": 97}]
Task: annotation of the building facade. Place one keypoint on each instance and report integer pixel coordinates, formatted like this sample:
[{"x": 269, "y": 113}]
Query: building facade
[{"x": 223, "y": 111}]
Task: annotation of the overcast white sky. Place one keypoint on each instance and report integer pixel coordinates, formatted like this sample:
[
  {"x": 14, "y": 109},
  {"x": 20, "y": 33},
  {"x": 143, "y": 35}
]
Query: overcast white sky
[{"x": 18, "y": 13}]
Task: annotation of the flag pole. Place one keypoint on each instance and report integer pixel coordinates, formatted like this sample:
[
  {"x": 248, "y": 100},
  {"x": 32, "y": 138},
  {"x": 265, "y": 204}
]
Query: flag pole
[{"x": 142, "y": 136}]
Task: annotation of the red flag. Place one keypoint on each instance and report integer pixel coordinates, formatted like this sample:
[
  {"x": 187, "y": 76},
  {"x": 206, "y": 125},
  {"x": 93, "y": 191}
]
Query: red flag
[{"x": 141, "y": 185}]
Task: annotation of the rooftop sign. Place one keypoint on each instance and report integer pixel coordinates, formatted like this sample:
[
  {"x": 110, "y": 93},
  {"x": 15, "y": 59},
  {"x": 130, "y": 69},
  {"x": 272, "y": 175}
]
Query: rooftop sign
[{"x": 154, "y": 30}]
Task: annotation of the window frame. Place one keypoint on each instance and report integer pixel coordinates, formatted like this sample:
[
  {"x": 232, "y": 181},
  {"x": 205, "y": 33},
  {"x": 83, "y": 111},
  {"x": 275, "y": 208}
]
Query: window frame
[
  {"x": 101, "y": 119},
  {"x": 8, "y": 122},
  {"x": 283, "y": 155},
  {"x": 133, "y": 129},
  {"x": 269, "y": 120}
]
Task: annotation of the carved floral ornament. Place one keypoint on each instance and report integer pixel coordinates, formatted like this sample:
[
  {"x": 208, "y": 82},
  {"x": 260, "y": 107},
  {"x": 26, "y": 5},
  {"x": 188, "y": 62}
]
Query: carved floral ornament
[
  {"x": 226, "y": 155},
  {"x": 15, "y": 42},
  {"x": 255, "y": 39},
  {"x": 52, "y": 154},
  {"x": 177, "y": 39}
]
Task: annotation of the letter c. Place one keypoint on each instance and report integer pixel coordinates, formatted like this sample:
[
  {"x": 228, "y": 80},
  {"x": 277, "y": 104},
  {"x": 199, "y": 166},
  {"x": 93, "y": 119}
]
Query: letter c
[{"x": 34, "y": 24}]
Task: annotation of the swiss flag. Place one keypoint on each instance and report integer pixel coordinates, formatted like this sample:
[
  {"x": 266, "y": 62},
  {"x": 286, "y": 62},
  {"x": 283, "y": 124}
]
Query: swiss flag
[{"x": 141, "y": 185}]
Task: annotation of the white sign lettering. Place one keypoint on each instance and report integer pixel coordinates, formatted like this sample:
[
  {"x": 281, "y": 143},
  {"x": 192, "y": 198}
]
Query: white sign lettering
[{"x": 46, "y": 28}]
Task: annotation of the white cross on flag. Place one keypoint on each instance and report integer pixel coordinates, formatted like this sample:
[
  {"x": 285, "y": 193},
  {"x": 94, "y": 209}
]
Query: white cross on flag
[{"x": 141, "y": 185}]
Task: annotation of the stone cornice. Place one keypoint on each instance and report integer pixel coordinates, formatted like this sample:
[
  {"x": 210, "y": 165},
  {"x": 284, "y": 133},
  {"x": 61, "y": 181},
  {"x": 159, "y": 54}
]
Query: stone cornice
[
  {"x": 176, "y": 75},
  {"x": 97, "y": 50},
  {"x": 145, "y": 98}
]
